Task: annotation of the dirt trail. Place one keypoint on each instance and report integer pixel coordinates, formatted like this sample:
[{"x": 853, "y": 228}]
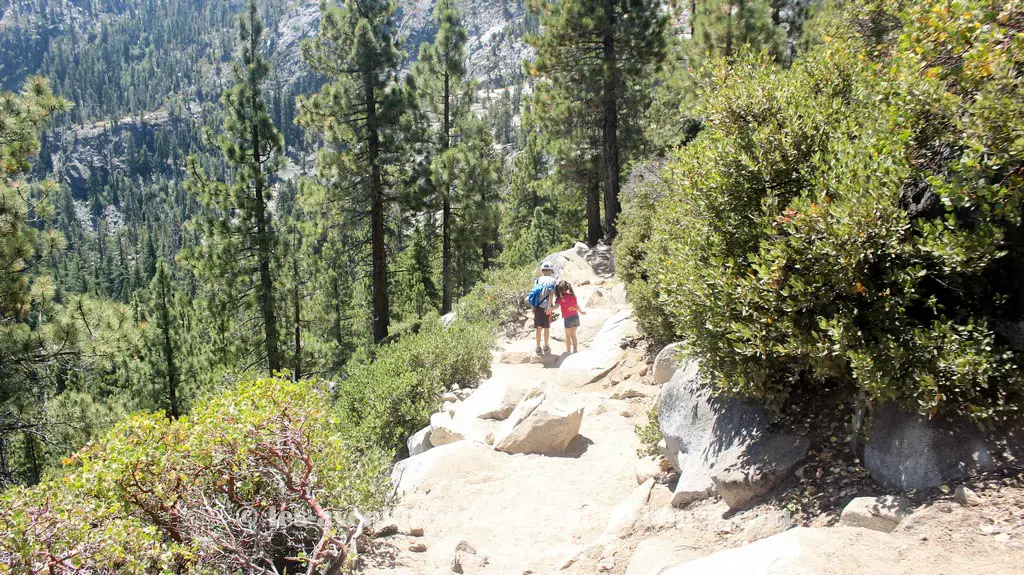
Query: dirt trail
[{"x": 486, "y": 512}]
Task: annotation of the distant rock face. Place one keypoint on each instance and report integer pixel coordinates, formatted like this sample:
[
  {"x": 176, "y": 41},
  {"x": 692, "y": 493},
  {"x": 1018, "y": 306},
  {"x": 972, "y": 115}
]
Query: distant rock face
[
  {"x": 77, "y": 176},
  {"x": 908, "y": 451}
]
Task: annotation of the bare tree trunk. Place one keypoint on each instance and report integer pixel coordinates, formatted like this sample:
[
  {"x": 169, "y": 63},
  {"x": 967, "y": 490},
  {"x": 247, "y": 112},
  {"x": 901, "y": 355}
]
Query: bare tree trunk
[
  {"x": 612, "y": 206},
  {"x": 446, "y": 208},
  {"x": 297, "y": 313},
  {"x": 168, "y": 349},
  {"x": 263, "y": 229},
  {"x": 594, "y": 229}
]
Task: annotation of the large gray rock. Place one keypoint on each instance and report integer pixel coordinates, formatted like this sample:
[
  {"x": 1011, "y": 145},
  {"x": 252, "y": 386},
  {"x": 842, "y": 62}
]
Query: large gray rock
[
  {"x": 419, "y": 442},
  {"x": 749, "y": 470},
  {"x": 700, "y": 426},
  {"x": 694, "y": 484},
  {"x": 875, "y": 513},
  {"x": 908, "y": 451},
  {"x": 547, "y": 430},
  {"x": 721, "y": 444},
  {"x": 666, "y": 363}
]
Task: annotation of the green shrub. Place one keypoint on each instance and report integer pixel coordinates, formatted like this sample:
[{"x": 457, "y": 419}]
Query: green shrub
[
  {"x": 499, "y": 299},
  {"x": 855, "y": 218},
  {"x": 52, "y": 529},
  {"x": 631, "y": 249},
  {"x": 259, "y": 475},
  {"x": 649, "y": 434},
  {"x": 385, "y": 401}
]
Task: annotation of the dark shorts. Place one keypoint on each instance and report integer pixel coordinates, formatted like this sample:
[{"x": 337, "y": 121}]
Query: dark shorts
[
  {"x": 572, "y": 321},
  {"x": 540, "y": 318}
]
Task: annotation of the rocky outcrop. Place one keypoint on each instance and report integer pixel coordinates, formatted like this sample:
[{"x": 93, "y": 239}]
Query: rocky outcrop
[
  {"x": 452, "y": 462},
  {"x": 875, "y": 513},
  {"x": 571, "y": 265},
  {"x": 494, "y": 399},
  {"x": 795, "y": 552},
  {"x": 721, "y": 445},
  {"x": 605, "y": 353},
  {"x": 547, "y": 430},
  {"x": 419, "y": 442},
  {"x": 747, "y": 471},
  {"x": 666, "y": 363},
  {"x": 908, "y": 451}
]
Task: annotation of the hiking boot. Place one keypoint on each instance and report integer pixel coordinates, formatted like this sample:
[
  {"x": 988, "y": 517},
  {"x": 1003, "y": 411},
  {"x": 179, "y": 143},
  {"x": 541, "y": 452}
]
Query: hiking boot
[
  {"x": 547, "y": 350},
  {"x": 539, "y": 351}
]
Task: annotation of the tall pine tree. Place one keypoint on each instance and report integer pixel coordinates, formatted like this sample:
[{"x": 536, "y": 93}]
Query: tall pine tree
[
  {"x": 462, "y": 167},
  {"x": 444, "y": 99},
  {"x": 359, "y": 112},
  {"x": 596, "y": 55},
  {"x": 240, "y": 238},
  {"x": 162, "y": 341}
]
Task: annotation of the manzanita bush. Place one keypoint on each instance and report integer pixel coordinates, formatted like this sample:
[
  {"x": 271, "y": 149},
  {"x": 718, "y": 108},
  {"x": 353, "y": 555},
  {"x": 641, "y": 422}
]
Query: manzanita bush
[
  {"x": 857, "y": 217},
  {"x": 258, "y": 479}
]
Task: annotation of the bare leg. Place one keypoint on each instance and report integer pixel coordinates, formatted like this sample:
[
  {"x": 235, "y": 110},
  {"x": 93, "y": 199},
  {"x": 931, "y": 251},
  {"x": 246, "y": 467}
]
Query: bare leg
[
  {"x": 538, "y": 337},
  {"x": 547, "y": 336},
  {"x": 572, "y": 336}
]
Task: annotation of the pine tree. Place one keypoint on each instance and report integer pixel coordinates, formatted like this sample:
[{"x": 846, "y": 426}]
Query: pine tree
[
  {"x": 24, "y": 213},
  {"x": 595, "y": 54},
  {"x": 241, "y": 242},
  {"x": 468, "y": 173},
  {"x": 359, "y": 112},
  {"x": 714, "y": 29},
  {"x": 162, "y": 342},
  {"x": 444, "y": 98},
  {"x": 722, "y": 27}
]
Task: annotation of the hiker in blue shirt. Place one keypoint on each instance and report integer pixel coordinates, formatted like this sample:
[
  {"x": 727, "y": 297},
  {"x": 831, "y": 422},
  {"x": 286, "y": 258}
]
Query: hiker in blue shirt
[{"x": 542, "y": 298}]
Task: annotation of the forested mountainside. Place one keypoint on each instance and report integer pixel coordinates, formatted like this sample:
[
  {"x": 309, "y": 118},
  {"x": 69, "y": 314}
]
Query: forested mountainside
[
  {"x": 231, "y": 230},
  {"x": 145, "y": 77}
]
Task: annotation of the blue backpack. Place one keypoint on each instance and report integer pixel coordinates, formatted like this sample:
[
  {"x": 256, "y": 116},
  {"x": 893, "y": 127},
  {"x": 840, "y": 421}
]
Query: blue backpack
[{"x": 538, "y": 295}]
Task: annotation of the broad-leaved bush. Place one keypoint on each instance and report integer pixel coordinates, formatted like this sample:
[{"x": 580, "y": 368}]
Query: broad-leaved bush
[
  {"x": 257, "y": 479},
  {"x": 856, "y": 218}
]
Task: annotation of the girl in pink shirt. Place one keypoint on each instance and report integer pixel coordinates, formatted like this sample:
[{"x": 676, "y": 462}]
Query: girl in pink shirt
[{"x": 571, "y": 312}]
